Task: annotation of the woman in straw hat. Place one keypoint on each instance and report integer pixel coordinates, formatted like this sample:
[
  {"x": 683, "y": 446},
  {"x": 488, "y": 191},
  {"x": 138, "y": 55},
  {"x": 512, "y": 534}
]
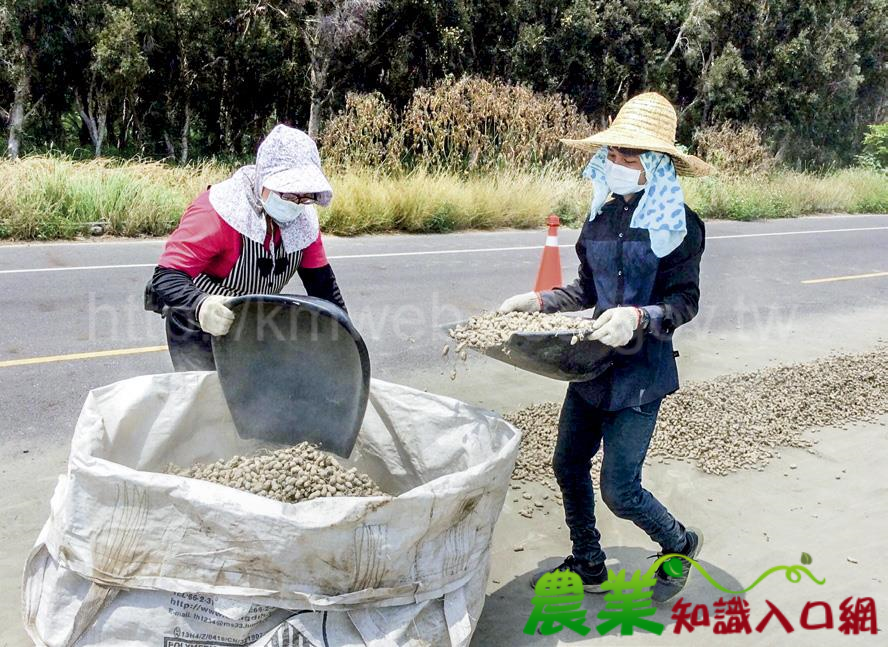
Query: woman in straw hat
[
  {"x": 639, "y": 255},
  {"x": 246, "y": 235}
]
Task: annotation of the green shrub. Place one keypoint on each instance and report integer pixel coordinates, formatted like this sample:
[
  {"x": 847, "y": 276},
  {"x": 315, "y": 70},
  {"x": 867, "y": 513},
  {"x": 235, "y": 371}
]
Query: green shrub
[{"x": 875, "y": 145}]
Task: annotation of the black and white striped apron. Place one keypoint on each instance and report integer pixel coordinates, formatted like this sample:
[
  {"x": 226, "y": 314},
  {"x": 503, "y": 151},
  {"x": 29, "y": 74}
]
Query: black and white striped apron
[{"x": 257, "y": 271}]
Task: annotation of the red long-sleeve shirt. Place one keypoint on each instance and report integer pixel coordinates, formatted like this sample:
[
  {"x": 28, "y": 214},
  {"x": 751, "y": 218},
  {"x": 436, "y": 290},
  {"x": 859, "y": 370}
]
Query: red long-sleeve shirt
[{"x": 204, "y": 243}]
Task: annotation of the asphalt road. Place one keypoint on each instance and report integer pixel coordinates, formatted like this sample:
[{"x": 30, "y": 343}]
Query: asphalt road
[{"x": 59, "y": 299}]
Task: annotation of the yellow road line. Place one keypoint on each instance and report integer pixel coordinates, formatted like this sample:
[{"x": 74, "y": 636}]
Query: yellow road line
[
  {"x": 72, "y": 356},
  {"x": 852, "y": 277}
]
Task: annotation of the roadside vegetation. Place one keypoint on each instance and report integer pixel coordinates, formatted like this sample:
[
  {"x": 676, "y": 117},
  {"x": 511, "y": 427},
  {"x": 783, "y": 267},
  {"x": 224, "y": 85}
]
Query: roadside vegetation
[
  {"x": 464, "y": 154},
  {"x": 431, "y": 116},
  {"x": 52, "y": 197}
]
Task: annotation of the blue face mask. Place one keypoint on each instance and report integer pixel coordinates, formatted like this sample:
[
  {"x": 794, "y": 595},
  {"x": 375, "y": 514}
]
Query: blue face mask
[{"x": 282, "y": 211}]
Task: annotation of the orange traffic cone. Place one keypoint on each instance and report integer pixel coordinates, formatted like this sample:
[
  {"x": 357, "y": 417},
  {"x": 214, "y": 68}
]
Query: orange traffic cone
[{"x": 549, "y": 275}]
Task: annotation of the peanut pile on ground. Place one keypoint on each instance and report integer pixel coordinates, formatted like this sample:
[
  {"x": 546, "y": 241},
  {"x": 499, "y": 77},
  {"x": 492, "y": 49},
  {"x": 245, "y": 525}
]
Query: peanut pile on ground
[
  {"x": 494, "y": 329},
  {"x": 291, "y": 474},
  {"x": 539, "y": 431},
  {"x": 736, "y": 421}
]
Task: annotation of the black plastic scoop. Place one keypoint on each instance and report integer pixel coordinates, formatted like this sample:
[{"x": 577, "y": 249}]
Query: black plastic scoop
[
  {"x": 552, "y": 355},
  {"x": 294, "y": 369}
]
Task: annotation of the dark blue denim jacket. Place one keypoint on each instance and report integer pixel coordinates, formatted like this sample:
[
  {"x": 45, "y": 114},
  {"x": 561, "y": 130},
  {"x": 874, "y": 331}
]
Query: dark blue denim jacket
[{"x": 618, "y": 268}]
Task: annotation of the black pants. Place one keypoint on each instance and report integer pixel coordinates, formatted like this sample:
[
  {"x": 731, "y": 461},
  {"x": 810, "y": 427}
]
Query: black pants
[
  {"x": 190, "y": 347},
  {"x": 626, "y": 435}
]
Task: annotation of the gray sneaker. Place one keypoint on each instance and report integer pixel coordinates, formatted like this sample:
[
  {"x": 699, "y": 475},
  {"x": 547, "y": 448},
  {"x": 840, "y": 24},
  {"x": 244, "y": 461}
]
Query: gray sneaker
[
  {"x": 668, "y": 586},
  {"x": 593, "y": 575}
]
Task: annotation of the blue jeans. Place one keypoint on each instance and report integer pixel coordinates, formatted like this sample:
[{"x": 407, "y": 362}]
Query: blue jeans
[{"x": 626, "y": 434}]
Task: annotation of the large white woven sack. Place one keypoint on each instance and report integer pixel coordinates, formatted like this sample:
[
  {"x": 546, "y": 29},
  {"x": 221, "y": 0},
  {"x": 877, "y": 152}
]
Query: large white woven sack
[{"x": 133, "y": 555}]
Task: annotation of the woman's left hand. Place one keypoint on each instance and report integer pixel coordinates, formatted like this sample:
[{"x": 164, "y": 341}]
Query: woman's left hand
[{"x": 615, "y": 327}]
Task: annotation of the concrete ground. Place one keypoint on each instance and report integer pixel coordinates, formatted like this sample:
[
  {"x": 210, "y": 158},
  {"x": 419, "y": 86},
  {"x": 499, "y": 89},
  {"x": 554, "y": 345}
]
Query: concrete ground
[
  {"x": 832, "y": 503},
  {"x": 759, "y": 307}
]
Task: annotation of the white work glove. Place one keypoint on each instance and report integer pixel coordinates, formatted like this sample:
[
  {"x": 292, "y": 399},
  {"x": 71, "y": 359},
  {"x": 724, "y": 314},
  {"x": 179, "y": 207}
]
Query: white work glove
[
  {"x": 527, "y": 302},
  {"x": 213, "y": 315},
  {"x": 616, "y": 326}
]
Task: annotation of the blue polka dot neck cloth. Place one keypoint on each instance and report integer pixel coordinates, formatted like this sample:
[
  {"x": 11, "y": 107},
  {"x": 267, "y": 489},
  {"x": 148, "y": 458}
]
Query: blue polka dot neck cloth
[{"x": 661, "y": 209}]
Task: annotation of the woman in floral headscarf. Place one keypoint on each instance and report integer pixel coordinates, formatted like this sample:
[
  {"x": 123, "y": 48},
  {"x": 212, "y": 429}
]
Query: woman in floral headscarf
[
  {"x": 247, "y": 235},
  {"x": 639, "y": 253}
]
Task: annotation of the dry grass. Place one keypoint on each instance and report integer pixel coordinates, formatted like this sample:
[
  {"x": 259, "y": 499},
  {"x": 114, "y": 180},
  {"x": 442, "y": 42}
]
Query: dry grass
[
  {"x": 734, "y": 149},
  {"x": 365, "y": 134},
  {"x": 439, "y": 202},
  {"x": 457, "y": 125},
  {"x": 786, "y": 194},
  {"x": 55, "y": 197}
]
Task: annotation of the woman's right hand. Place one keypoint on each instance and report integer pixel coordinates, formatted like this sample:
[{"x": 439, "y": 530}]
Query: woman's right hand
[
  {"x": 527, "y": 302},
  {"x": 214, "y": 316}
]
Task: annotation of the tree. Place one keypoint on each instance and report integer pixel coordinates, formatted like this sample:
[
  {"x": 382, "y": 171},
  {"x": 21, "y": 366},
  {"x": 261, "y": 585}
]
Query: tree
[
  {"x": 327, "y": 27},
  {"x": 23, "y": 24},
  {"x": 792, "y": 69},
  {"x": 119, "y": 63},
  {"x": 113, "y": 64},
  {"x": 178, "y": 36},
  {"x": 870, "y": 19},
  {"x": 414, "y": 43},
  {"x": 184, "y": 78}
]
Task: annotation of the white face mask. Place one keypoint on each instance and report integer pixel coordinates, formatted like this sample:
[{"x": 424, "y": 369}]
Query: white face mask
[
  {"x": 621, "y": 179},
  {"x": 282, "y": 211}
]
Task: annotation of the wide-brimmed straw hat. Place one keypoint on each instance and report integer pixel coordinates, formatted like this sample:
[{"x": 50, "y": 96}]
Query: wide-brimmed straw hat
[{"x": 646, "y": 122}]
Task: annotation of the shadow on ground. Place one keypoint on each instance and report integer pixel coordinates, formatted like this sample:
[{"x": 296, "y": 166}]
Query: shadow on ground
[{"x": 507, "y": 609}]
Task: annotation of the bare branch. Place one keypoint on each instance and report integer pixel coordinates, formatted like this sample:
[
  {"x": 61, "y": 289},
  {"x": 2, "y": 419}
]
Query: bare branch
[
  {"x": 33, "y": 108},
  {"x": 687, "y": 21},
  {"x": 278, "y": 9},
  {"x": 683, "y": 111},
  {"x": 619, "y": 88}
]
